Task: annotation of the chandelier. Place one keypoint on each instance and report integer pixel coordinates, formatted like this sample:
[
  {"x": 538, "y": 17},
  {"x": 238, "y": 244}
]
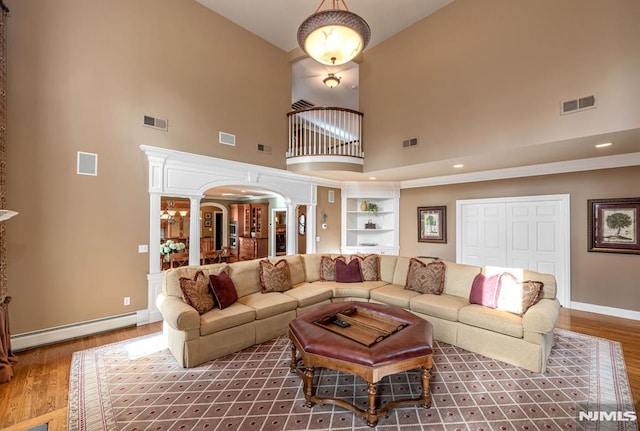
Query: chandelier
[
  {"x": 169, "y": 213},
  {"x": 331, "y": 80},
  {"x": 333, "y": 36}
]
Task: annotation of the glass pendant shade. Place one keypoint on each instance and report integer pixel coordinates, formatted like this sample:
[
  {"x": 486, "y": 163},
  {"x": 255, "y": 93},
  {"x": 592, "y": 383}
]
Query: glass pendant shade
[
  {"x": 333, "y": 37},
  {"x": 331, "y": 80}
]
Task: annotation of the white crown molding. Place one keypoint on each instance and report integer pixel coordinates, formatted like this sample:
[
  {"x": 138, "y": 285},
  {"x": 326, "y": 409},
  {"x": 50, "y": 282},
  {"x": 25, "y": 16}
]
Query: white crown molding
[{"x": 590, "y": 164}]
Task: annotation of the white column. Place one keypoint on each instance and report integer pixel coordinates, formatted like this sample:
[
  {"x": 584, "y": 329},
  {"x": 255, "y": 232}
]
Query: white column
[
  {"x": 311, "y": 228},
  {"x": 154, "y": 233},
  {"x": 292, "y": 229},
  {"x": 194, "y": 230}
]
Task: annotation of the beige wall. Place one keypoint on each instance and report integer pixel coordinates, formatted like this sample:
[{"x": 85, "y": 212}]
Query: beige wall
[
  {"x": 81, "y": 76},
  {"x": 482, "y": 76},
  {"x": 329, "y": 237},
  {"x": 606, "y": 279}
]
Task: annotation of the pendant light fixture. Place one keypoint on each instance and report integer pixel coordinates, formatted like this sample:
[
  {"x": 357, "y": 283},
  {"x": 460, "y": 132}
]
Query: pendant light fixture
[
  {"x": 331, "y": 80},
  {"x": 333, "y": 36}
]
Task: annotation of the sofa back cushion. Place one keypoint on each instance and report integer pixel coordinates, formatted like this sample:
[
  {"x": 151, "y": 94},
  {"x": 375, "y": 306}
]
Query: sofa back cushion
[
  {"x": 245, "y": 276},
  {"x": 311, "y": 263},
  {"x": 171, "y": 277},
  {"x": 459, "y": 279},
  {"x": 387, "y": 267}
]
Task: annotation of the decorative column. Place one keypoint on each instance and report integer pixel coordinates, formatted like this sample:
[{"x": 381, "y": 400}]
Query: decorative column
[
  {"x": 311, "y": 228},
  {"x": 194, "y": 230},
  {"x": 154, "y": 232}
]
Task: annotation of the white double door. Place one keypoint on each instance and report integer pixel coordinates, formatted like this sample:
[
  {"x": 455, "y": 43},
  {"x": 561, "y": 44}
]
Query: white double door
[{"x": 530, "y": 232}]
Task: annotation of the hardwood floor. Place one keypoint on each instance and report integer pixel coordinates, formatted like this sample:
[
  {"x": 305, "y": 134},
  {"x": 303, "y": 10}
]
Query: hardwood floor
[{"x": 38, "y": 391}]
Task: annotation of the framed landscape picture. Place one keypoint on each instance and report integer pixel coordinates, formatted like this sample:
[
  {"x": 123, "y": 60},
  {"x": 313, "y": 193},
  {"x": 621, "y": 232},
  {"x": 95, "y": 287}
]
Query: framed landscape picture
[
  {"x": 613, "y": 225},
  {"x": 432, "y": 224}
]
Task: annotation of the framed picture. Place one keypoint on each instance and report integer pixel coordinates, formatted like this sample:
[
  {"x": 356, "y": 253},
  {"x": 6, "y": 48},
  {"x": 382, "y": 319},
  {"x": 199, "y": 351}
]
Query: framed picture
[
  {"x": 613, "y": 225},
  {"x": 207, "y": 222},
  {"x": 208, "y": 216},
  {"x": 432, "y": 224}
]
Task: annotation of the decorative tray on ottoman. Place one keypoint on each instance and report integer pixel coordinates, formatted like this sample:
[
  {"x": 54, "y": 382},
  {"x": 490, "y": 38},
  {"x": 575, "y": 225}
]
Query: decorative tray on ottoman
[{"x": 364, "y": 326}]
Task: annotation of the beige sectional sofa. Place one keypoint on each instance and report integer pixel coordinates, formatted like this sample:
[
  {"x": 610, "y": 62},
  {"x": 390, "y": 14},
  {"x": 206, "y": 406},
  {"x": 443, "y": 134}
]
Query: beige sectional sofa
[{"x": 255, "y": 317}]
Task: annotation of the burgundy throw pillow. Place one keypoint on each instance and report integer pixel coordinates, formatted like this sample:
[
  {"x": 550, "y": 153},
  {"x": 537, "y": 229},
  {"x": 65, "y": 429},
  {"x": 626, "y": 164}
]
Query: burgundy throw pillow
[
  {"x": 348, "y": 272},
  {"x": 485, "y": 290},
  {"x": 223, "y": 289}
]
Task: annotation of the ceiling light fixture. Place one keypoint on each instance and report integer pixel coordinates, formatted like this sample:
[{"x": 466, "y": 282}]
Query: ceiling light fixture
[
  {"x": 333, "y": 36},
  {"x": 458, "y": 166},
  {"x": 331, "y": 80},
  {"x": 606, "y": 144}
]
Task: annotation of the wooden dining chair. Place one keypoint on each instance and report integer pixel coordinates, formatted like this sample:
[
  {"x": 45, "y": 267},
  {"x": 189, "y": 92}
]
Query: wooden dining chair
[
  {"x": 210, "y": 256},
  {"x": 178, "y": 259}
]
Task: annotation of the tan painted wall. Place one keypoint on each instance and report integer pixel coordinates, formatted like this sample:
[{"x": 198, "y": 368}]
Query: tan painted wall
[
  {"x": 81, "y": 76},
  {"x": 481, "y": 76},
  {"x": 329, "y": 237},
  {"x": 597, "y": 278}
]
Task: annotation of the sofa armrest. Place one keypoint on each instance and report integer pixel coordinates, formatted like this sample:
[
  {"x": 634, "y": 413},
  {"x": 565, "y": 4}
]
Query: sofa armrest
[
  {"x": 542, "y": 316},
  {"x": 177, "y": 314}
]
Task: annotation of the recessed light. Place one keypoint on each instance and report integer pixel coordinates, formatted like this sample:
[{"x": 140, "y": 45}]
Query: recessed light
[
  {"x": 243, "y": 191},
  {"x": 228, "y": 194},
  {"x": 606, "y": 144},
  {"x": 372, "y": 178},
  {"x": 458, "y": 166}
]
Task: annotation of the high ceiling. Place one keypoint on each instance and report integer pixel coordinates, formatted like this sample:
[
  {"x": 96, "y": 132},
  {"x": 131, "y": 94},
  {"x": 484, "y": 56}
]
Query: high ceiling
[{"x": 277, "y": 21}]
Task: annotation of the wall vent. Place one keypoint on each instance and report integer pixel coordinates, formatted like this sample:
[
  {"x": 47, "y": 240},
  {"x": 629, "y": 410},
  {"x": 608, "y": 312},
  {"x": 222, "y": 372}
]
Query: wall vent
[
  {"x": 301, "y": 104},
  {"x": 87, "y": 164},
  {"x": 264, "y": 148},
  {"x": 227, "y": 139},
  {"x": 156, "y": 123},
  {"x": 577, "y": 105},
  {"x": 410, "y": 143}
]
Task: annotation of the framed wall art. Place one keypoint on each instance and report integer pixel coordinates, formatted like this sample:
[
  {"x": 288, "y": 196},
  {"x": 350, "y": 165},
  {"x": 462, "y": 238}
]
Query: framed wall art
[
  {"x": 614, "y": 225},
  {"x": 432, "y": 224}
]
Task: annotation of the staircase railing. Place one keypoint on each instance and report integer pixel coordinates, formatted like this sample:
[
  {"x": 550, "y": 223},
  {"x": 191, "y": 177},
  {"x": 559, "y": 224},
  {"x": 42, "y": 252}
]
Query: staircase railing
[{"x": 325, "y": 131}]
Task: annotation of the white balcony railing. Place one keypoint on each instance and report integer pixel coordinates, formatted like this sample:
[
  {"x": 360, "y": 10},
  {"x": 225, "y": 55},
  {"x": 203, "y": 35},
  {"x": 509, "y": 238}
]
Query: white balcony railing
[{"x": 321, "y": 131}]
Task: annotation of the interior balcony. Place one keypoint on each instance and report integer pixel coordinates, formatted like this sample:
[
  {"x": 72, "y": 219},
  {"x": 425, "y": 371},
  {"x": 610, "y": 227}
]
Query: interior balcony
[{"x": 325, "y": 138}]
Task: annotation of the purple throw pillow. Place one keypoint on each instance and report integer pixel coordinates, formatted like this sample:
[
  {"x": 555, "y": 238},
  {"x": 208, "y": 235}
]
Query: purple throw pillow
[
  {"x": 223, "y": 289},
  {"x": 485, "y": 290},
  {"x": 348, "y": 272}
]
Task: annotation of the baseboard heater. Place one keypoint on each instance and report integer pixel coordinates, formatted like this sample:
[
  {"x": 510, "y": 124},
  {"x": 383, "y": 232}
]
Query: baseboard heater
[{"x": 29, "y": 340}]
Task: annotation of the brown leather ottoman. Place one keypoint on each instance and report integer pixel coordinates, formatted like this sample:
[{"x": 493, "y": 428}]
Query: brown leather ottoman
[{"x": 320, "y": 345}]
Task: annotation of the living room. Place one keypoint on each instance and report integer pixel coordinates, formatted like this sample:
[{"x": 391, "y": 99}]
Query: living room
[{"x": 475, "y": 81}]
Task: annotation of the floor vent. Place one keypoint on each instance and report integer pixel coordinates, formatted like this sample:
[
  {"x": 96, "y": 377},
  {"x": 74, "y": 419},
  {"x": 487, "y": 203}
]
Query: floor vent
[
  {"x": 156, "y": 123},
  {"x": 301, "y": 104},
  {"x": 264, "y": 148},
  {"x": 577, "y": 105},
  {"x": 410, "y": 143},
  {"x": 227, "y": 139}
]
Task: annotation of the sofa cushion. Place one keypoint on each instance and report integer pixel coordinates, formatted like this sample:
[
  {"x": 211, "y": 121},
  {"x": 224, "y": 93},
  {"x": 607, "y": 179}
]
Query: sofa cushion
[
  {"x": 459, "y": 279},
  {"x": 269, "y": 304},
  {"x": 309, "y": 294},
  {"x": 351, "y": 290},
  {"x": 485, "y": 290},
  {"x": 425, "y": 278},
  {"x": 348, "y": 272},
  {"x": 369, "y": 266},
  {"x": 311, "y": 263},
  {"x": 274, "y": 277},
  {"x": 388, "y": 267},
  {"x": 234, "y": 315},
  {"x": 393, "y": 294},
  {"x": 223, "y": 289},
  {"x": 196, "y": 292},
  {"x": 328, "y": 267},
  {"x": 245, "y": 276},
  {"x": 499, "y": 321},
  {"x": 442, "y": 306},
  {"x": 171, "y": 279}
]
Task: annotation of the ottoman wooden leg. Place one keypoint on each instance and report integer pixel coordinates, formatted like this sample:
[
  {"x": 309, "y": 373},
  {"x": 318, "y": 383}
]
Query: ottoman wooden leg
[
  {"x": 372, "y": 412},
  {"x": 425, "y": 399},
  {"x": 293, "y": 366},
  {"x": 309, "y": 372}
]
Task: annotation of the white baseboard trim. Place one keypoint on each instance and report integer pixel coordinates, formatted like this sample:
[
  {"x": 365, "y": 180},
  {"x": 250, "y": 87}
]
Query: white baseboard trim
[
  {"x": 608, "y": 311},
  {"x": 43, "y": 337}
]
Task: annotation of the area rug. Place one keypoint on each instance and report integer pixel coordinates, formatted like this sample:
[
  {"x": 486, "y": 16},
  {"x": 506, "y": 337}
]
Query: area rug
[{"x": 137, "y": 385}]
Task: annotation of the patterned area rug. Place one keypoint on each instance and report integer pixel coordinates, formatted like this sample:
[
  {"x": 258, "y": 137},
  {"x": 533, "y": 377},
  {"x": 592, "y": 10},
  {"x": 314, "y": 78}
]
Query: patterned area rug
[{"x": 137, "y": 385}]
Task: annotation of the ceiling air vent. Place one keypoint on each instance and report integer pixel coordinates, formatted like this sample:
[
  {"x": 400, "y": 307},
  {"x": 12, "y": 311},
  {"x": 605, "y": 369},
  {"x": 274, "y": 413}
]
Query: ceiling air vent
[
  {"x": 227, "y": 139},
  {"x": 156, "y": 123},
  {"x": 301, "y": 104},
  {"x": 576, "y": 105},
  {"x": 410, "y": 143}
]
